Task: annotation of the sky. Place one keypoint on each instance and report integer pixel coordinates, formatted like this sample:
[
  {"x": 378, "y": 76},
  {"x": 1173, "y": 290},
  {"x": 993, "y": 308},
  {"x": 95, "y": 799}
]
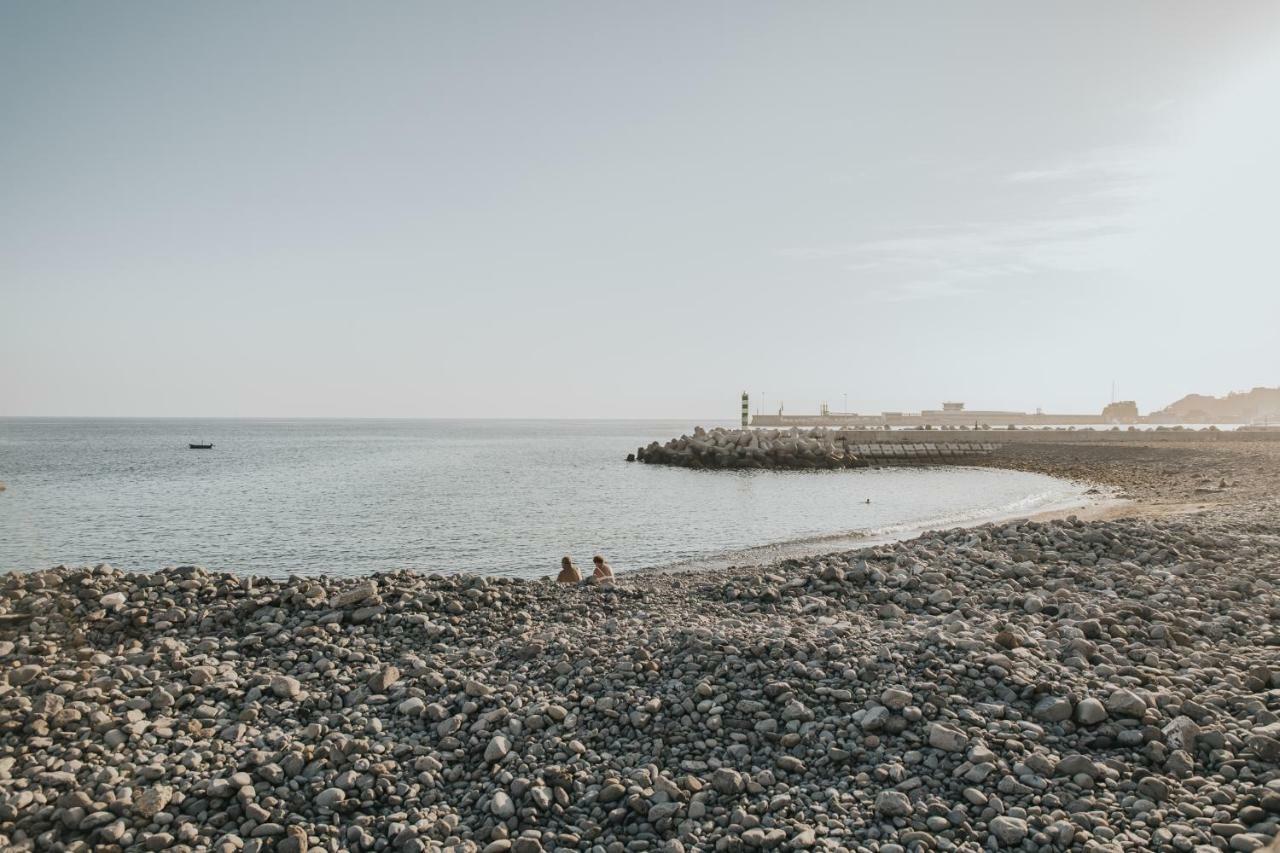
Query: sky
[{"x": 620, "y": 210}]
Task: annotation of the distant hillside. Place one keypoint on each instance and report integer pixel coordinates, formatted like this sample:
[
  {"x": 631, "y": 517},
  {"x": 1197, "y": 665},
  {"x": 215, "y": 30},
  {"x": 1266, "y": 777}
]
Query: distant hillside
[{"x": 1236, "y": 407}]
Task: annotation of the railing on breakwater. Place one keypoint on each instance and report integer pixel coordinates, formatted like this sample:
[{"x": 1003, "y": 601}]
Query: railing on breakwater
[
  {"x": 1048, "y": 436},
  {"x": 923, "y": 452}
]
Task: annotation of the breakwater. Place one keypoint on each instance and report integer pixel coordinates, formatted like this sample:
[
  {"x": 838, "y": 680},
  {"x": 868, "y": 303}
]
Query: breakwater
[
  {"x": 816, "y": 448},
  {"x": 1006, "y": 437},
  {"x": 831, "y": 448}
]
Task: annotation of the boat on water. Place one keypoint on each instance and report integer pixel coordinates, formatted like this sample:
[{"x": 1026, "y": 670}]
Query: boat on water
[{"x": 200, "y": 446}]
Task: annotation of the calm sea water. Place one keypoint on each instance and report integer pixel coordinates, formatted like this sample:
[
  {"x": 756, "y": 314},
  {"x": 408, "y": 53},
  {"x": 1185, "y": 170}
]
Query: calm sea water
[{"x": 308, "y": 496}]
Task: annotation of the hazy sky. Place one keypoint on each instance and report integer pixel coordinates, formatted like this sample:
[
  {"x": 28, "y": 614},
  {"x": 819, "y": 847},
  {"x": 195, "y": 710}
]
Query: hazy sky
[{"x": 605, "y": 209}]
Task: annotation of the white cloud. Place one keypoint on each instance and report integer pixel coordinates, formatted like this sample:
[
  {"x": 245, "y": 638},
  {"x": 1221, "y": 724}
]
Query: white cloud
[
  {"x": 1096, "y": 193},
  {"x": 1104, "y": 165},
  {"x": 936, "y": 288},
  {"x": 967, "y": 259}
]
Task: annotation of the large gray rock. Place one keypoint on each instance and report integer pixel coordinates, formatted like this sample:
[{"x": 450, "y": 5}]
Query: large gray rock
[
  {"x": 150, "y": 801},
  {"x": 1126, "y": 703},
  {"x": 1008, "y": 831},
  {"x": 874, "y": 719},
  {"x": 1075, "y": 764},
  {"x": 384, "y": 679},
  {"x": 1154, "y": 789},
  {"x": 1181, "y": 733},
  {"x": 662, "y": 811},
  {"x": 1052, "y": 709},
  {"x": 360, "y": 592},
  {"x": 895, "y": 698},
  {"x": 24, "y": 674},
  {"x": 893, "y": 804},
  {"x": 497, "y": 749},
  {"x": 502, "y": 806},
  {"x": 947, "y": 738},
  {"x": 330, "y": 797},
  {"x": 728, "y": 781},
  {"x": 286, "y": 687},
  {"x": 612, "y": 792},
  {"x": 1090, "y": 712},
  {"x": 1265, "y": 747}
]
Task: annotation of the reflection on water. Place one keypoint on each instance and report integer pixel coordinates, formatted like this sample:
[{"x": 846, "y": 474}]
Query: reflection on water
[{"x": 307, "y": 496}]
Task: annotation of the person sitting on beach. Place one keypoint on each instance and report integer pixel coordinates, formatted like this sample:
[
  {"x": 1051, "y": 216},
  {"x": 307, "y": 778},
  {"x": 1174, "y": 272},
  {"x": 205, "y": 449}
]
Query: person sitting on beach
[
  {"x": 568, "y": 571},
  {"x": 603, "y": 572}
]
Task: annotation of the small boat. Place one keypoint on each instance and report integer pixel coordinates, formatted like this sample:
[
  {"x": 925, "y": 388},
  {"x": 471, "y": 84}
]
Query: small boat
[{"x": 200, "y": 446}]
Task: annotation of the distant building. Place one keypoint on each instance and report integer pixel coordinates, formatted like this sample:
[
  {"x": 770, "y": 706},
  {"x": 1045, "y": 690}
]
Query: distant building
[
  {"x": 1259, "y": 406},
  {"x": 1122, "y": 412}
]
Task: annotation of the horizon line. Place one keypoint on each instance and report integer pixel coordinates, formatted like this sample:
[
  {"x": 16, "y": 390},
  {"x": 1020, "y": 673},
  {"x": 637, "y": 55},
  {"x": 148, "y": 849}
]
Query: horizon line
[{"x": 332, "y": 418}]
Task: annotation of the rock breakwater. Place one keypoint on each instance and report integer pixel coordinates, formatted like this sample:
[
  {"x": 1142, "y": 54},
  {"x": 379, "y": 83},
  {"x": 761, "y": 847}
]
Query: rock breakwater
[
  {"x": 817, "y": 448},
  {"x": 747, "y": 448}
]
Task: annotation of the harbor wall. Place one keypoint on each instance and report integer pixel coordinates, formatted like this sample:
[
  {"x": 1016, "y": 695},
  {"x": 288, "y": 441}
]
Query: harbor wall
[
  {"x": 1056, "y": 436},
  {"x": 934, "y": 419}
]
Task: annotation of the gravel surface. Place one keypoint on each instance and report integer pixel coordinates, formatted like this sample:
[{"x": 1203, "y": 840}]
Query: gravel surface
[{"x": 1069, "y": 684}]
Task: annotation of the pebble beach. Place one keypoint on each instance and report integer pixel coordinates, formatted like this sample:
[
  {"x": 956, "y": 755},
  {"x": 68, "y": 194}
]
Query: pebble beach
[{"x": 1106, "y": 683}]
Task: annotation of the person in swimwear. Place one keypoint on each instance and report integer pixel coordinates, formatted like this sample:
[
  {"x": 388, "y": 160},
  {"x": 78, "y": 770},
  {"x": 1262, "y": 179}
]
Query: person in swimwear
[
  {"x": 568, "y": 571},
  {"x": 603, "y": 571}
]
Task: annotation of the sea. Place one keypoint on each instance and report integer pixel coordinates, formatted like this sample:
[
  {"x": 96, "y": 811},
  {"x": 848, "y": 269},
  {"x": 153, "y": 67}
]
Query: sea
[{"x": 506, "y": 497}]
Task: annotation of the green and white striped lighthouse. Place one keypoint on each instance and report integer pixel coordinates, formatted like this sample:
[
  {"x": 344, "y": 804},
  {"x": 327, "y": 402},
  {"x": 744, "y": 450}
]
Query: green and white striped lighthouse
[{"x": 746, "y": 417}]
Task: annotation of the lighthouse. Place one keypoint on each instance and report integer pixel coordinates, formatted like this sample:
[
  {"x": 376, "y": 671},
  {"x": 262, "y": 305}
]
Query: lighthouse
[{"x": 746, "y": 418}]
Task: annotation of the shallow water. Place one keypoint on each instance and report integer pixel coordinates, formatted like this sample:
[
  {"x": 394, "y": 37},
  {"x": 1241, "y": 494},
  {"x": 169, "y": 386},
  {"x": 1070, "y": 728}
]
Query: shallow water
[{"x": 499, "y": 496}]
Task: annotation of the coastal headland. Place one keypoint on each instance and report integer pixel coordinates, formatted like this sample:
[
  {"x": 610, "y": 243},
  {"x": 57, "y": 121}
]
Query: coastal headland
[{"x": 1057, "y": 684}]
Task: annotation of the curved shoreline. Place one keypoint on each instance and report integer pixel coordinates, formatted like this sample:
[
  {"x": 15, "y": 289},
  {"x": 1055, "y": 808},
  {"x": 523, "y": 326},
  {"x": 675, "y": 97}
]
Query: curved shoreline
[
  {"x": 1104, "y": 685},
  {"x": 1105, "y": 504}
]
